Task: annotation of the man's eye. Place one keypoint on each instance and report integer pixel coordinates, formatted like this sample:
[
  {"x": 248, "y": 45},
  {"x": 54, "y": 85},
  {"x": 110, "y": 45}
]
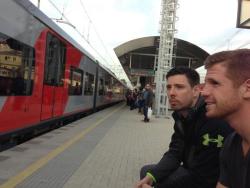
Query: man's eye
[
  {"x": 179, "y": 87},
  {"x": 213, "y": 82}
]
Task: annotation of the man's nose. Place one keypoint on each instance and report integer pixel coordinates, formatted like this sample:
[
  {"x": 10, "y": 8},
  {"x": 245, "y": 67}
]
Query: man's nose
[
  {"x": 204, "y": 91},
  {"x": 171, "y": 92}
]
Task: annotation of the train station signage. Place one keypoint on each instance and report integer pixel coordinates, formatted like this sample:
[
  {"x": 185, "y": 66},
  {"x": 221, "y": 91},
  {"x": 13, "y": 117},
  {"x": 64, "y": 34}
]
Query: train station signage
[{"x": 142, "y": 72}]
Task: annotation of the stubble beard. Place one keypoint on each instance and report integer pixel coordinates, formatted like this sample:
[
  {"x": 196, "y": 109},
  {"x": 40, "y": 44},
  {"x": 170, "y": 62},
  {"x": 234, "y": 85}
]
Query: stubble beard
[{"x": 223, "y": 111}]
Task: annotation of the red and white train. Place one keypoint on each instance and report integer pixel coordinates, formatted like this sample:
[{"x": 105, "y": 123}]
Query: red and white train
[{"x": 45, "y": 76}]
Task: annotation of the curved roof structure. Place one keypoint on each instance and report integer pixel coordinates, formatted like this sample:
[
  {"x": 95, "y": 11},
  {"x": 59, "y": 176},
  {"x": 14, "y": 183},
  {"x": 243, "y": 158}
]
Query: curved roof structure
[
  {"x": 138, "y": 57},
  {"x": 186, "y": 53},
  {"x": 134, "y": 45}
]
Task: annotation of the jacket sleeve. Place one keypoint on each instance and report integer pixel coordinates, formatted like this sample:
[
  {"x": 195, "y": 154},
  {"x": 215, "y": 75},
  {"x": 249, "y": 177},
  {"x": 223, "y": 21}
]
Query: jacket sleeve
[{"x": 171, "y": 159}]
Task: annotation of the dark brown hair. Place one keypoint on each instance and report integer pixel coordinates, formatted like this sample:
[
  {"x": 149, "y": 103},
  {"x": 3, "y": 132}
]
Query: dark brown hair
[
  {"x": 237, "y": 63},
  {"x": 191, "y": 74}
]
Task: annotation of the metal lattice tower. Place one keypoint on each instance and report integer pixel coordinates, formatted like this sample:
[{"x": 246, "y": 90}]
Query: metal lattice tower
[{"x": 168, "y": 18}]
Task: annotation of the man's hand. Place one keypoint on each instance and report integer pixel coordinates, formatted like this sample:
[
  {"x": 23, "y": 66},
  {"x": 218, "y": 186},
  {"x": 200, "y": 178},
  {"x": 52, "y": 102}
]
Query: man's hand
[
  {"x": 146, "y": 186},
  {"x": 144, "y": 183},
  {"x": 219, "y": 185}
]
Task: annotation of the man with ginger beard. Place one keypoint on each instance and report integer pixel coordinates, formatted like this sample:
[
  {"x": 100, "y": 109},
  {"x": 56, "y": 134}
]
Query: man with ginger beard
[
  {"x": 192, "y": 160},
  {"x": 227, "y": 94}
]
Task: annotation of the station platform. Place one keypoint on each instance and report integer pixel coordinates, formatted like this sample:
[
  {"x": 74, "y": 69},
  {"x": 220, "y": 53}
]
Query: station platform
[{"x": 103, "y": 150}]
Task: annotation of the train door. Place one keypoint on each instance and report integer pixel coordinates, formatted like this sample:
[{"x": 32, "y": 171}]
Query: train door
[
  {"x": 53, "y": 90},
  {"x": 96, "y": 86}
]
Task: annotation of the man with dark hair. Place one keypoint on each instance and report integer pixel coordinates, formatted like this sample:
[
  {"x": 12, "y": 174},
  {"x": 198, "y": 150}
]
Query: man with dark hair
[
  {"x": 227, "y": 94},
  {"x": 192, "y": 160}
]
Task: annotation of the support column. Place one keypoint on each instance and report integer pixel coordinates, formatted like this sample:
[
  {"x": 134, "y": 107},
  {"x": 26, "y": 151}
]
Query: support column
[{"x": 165, "y": 56}]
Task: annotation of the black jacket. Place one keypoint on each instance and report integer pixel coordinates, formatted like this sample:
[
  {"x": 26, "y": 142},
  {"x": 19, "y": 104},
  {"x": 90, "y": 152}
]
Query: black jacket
[
  {"x": 234, "y": 166},
  {"x": 148, "y": 98},
  {"x": 195, "y": 145}
]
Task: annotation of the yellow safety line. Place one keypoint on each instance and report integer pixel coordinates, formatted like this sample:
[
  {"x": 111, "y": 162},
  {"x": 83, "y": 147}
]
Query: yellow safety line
[{"x": 14, "y": 181}]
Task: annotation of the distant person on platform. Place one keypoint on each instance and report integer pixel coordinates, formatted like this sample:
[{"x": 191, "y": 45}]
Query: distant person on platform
[
  {"x": 140, "y": 102},
  {"x": 192, "y": 160},
  {"x": 147, "y": 101},
  {"x": 227, "y": 94}
]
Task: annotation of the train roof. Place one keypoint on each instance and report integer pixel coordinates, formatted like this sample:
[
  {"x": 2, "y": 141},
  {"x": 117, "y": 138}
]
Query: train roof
[{"x": 38, "y": 14}]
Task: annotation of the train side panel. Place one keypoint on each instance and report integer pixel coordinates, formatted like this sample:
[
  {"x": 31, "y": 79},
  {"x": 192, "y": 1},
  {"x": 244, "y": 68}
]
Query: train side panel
[
  {"x": 84, "y": 101},
  {"x": 19, "y": 67},
  {"x": 45, "y": 75}
]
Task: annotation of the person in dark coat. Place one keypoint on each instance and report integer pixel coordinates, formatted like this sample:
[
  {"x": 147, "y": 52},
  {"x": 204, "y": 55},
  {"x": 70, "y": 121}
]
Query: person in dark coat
[
  {"x": 192, "y": 160},
  {"x": 140, "y": 101},
  {"x": 147, "y": 101}
]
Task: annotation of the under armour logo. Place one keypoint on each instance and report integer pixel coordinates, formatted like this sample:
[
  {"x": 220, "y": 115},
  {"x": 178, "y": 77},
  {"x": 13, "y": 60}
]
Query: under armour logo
[{"x": 218, "y": 140}]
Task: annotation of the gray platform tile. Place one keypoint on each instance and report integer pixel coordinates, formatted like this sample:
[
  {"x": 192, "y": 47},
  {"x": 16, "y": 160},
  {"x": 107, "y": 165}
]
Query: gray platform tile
[
  {"x": 57, "y": 172},
  {"x": 118, "y": 157},
  {"x": 19, "y": 149},
  {"x": 3, "y": 158},
  {"x": 2, "y": 180},
  {"x": 45, "y": 137},
  {"x": 70, "y": 125},
  {"x": 56, "y": 132},
  {"x": 63, "y": 129},
  {"x": 34, "y": 142}
]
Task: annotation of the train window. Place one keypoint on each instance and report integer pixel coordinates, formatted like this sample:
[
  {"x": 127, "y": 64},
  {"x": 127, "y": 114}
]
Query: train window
[
  {"x": 101, "y": 87},
  {"x": 89, "y": 84},
  {"x": 76, "y": 76},
  {"x": 116, "y": 87},
  {"x": 107, "y": 86},
  {"x": 17, "y": 65},
  {"x": 55, "y": 61}
]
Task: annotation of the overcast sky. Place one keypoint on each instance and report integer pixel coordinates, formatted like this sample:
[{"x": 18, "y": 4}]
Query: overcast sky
[{"x": 210, "y": 24}]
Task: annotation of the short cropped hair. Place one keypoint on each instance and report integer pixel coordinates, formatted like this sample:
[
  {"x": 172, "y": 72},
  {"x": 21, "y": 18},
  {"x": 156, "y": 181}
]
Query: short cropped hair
[
  {"x": 237, "y": 63},
  {"x": 191, "y": 74}
]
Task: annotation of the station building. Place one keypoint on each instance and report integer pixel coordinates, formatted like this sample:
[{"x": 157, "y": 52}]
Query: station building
[{"x": 138, "y": 57}]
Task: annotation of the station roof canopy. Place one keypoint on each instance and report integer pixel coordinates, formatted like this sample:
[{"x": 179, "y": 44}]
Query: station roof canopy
[{"x": 185, "y": 53}]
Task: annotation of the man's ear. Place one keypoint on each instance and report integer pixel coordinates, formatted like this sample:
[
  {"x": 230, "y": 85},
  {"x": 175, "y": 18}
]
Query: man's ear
[
  {"x": 197, "y": 89},
  {"x": 246, "y": 89}
]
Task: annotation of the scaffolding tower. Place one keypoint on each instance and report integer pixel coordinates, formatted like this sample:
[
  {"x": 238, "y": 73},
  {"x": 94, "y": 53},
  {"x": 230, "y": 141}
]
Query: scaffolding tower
[{"x": 166, "y": 48}]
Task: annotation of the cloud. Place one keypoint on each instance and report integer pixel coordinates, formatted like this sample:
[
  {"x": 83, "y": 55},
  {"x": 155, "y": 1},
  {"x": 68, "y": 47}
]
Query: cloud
[
  {"x": 120, "y": 21},
  {"x": 206, "y": 23}
]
